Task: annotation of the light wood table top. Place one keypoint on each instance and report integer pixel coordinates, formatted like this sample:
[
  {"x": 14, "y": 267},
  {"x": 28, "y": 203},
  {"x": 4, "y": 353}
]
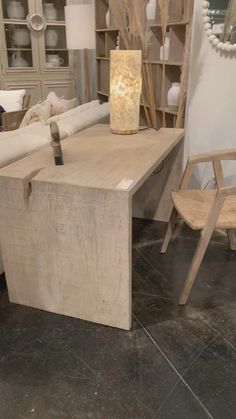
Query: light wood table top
[{"x": 97, "y": 158}]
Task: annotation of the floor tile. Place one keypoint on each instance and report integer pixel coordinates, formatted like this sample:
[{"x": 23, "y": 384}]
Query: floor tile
[
  {"x": 182, "y": 337},
  {"x": 54, "y": 367},
  {"x": 215, "y": 284},
  {"x": 182, "y": 404},
  {"x": 212, "y": 378}
]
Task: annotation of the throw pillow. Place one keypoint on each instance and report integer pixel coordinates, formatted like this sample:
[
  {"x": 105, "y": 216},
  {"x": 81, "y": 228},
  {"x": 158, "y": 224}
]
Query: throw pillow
[
  {"x": 12, "y": 100},
  {"x": 60, "y": 105},
  {"x": 40, "y": 112}
]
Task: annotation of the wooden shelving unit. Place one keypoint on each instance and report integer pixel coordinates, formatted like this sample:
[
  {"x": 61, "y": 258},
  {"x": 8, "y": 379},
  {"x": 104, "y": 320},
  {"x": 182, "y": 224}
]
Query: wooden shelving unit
[{"x": 106, "y": 40}]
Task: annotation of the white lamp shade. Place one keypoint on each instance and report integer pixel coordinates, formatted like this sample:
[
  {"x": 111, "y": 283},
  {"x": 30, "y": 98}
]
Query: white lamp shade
[{"x": 80, "y": 26}]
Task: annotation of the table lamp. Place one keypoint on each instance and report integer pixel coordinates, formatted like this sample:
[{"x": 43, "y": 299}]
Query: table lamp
[
  {"x": 125, "y": 90},
  {"x": 80, "y": 35}
]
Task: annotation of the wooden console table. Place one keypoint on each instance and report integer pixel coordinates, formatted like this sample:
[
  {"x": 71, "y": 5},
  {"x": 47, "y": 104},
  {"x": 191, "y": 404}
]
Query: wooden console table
[{"x": 66, "y": 230}]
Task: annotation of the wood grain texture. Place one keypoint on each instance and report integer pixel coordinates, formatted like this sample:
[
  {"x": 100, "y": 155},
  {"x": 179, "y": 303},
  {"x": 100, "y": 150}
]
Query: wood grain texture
[
  {"x": 99, "y": 159},
  {"x": 66, "y": 230}
]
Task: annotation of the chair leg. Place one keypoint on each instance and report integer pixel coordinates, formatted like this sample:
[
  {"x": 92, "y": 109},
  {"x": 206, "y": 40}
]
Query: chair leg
[
  {"x": 169, "y": 230},
  {"x": 195, "y": 265},
  {"x": 232, "y": 239}
]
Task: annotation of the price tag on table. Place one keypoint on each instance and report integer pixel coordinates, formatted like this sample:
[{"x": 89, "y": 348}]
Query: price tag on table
[{"x": 125, "y": 184}]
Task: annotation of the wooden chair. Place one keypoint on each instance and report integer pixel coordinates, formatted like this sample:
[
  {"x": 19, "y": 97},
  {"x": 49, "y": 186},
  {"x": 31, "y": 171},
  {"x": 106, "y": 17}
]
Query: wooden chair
[
  {"x": 204, "y": 210},
  {"x": 12, "y": 120}
]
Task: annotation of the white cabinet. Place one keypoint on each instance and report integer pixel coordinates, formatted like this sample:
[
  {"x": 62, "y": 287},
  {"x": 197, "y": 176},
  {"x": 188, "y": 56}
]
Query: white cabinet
[{"x": 33, "y": 51}]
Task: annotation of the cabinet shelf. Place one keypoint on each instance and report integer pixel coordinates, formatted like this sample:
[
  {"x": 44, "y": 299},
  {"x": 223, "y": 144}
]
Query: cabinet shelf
[
  {"x": 169, "y": 63},
  {"x": 55, "y": 23},
  {"x": 153, "y": 25},
  {"x": 168, "y": 110},
  {"x": 14, "y": 22},
  {"x": 56, "y": 49},
  {"x": 108, "y": 30},
  {"x": 19, "y": 49},
  {"x": 103, "y": 93},
  {"x": 103, "y": 58},
  {"x": 162, "y": 109},
  {"x": 169, "y": 24}
]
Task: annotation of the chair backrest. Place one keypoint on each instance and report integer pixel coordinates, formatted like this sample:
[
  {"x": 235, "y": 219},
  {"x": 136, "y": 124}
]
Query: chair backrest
[{"x": 215, "y": 158}]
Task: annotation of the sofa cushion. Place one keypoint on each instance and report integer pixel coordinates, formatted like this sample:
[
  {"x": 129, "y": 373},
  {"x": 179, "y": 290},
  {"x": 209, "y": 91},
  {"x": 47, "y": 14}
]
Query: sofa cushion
[
  {"x": 12, "y": 100},
  {"x": 82, "y": 117},
  {"x": 16, "y": 144},
  {"x": 39, "y": 112},
  {"x": 61, "y": 105}
]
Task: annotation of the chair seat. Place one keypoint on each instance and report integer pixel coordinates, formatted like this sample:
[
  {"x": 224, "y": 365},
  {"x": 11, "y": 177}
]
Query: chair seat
[{"x": 194, "y": 206}]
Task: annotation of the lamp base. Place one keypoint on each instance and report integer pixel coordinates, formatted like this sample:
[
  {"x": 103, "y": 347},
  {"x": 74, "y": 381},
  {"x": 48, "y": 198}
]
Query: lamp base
[{"x": 124, "y": 132}]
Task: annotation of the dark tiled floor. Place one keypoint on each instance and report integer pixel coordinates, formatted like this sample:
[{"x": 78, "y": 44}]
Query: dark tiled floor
[{"x": 175, "y": 363}]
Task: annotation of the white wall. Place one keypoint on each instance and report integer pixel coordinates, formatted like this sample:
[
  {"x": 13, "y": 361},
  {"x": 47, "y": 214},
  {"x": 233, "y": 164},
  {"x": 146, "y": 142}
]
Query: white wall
[{"x": 211, "y": 115}]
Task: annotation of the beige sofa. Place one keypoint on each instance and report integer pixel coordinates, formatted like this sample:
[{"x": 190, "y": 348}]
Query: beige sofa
[{"x": 15, "y": 145}]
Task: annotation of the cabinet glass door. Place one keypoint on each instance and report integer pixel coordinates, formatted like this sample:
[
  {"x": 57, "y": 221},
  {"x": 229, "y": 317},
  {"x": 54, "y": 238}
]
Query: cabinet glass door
[
  {"x": 19, "y": 40},
  {"x": 53, "y": 50}
]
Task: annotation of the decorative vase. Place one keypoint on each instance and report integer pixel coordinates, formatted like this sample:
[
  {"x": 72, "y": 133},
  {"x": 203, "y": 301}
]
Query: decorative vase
[
  {"x": 51, "y": 37},
  {"x": 18, "y": 61},
  {"x": 15, "y": 10},
  {"x": 108, "y": 19},
  {"x": 53, "y": 60},
  {"x": 21, "y": 37},
  {"x": 151, "y": 10},
  {"x": 125, "y": 90},
  {"x": 165, "y": 49},
  {"x": 173, "y": 96},
  {"x": 50, "y": 11}
]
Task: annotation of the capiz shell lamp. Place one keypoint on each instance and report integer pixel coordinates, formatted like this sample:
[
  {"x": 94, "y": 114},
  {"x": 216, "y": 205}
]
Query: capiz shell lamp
[{"x": 125, "y": 90}]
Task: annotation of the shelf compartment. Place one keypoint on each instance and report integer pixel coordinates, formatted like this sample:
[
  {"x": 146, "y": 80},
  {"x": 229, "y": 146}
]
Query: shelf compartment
[
  {"x": 177, "y": 43},
  {"x": 26, "y": 55},
  {"x": 6, "y": 9},
  {"x": 155, "y": 43},
  {"x": 170, "y": 120},
  {"x": 110, "y": 42},
  {"x": 176, "y": 11},
  {"x": 156, "y": 81},
  {"x": 101, "y": 44},
  {"x": 55, "y": 37},
  {"x": 59, "y": 6},
  {"x": 17, "y": 36},
  {"x": 103, "y": 76},
  {"x": 101, "y": 10},
  {"x": 63, "y": 57},
  {"x": 172, "y": 75}
]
